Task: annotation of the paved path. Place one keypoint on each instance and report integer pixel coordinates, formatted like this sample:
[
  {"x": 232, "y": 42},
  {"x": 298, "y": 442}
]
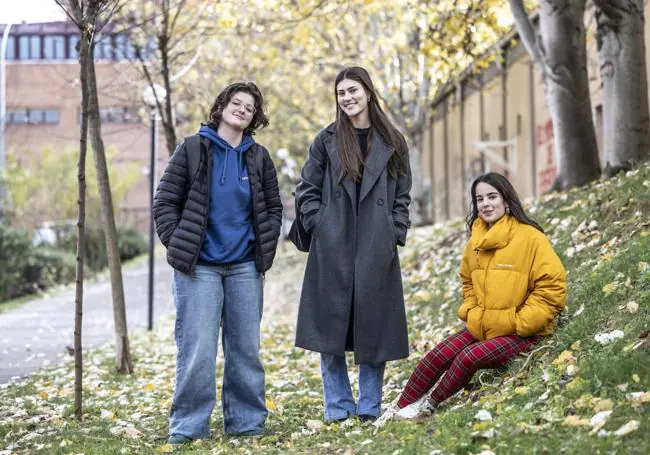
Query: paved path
[{"x": 36, "y": 334}]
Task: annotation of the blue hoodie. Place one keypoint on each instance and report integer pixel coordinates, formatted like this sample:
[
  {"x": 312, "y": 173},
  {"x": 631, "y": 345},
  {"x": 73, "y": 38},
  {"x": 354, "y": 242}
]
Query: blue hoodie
[{"x": 229, "y": 235}]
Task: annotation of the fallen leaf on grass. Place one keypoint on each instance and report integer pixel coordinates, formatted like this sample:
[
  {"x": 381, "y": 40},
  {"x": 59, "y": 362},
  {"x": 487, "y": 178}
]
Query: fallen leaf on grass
[
  {"x": 107, "y": 415},
  {"x": 599, "y": 420},
  {"x": 315, "y": 425},
  {"x": 607, "y": 337},
  {"x": 565, "y": 357},
  {"x": 603, "y": 405},
  {"x": 128, "y": 432},
  {"x": 483, "y": 415},
  {"x": 574, "y": 421},
  {"x": 639, "y": 397},
  {"x": 629, "y": 427},
  {"x": 579, "y": 310},
  {"x": 632, "y": 306},
  {"x": 610, "y": 288}
]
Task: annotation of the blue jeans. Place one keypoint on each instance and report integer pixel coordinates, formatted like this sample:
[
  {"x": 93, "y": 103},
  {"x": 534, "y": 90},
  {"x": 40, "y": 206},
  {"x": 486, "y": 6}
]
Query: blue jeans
[
  {"x": 337, "y": 393},
  {"x": 214, "y": 296}
]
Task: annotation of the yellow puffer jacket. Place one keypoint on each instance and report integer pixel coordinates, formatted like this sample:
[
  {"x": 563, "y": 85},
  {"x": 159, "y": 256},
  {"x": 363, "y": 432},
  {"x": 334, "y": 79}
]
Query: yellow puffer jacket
[{"x": 513, "y": 282}]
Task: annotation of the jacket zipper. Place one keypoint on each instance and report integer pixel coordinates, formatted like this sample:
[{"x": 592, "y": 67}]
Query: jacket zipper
[{"x": 485, "y": 293}]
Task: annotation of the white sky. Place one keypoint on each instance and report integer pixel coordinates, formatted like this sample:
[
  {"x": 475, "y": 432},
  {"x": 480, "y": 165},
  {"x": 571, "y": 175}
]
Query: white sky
[{"x": 18, "y": 11}]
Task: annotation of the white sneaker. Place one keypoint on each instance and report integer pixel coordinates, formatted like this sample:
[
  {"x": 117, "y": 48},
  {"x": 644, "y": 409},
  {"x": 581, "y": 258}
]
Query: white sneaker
[
  {"x": 417, "y": 410},
  {"x": 386, "y": 416}
]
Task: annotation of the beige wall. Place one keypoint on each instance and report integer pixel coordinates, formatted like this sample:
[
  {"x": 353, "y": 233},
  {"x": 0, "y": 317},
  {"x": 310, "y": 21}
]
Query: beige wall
[{"x": 527, "y": 121}]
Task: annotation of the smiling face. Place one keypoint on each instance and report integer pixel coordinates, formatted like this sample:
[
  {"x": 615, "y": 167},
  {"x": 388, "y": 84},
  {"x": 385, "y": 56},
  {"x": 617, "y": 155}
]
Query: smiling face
[
  {"x": 353, "y": 101},
  {"x": 239, "y": 112},
  {"x": 489, "y": 203}
]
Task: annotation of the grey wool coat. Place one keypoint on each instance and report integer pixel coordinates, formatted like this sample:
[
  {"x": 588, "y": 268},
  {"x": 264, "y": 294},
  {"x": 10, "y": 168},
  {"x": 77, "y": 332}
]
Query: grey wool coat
[{"x": 353, "y": 256}]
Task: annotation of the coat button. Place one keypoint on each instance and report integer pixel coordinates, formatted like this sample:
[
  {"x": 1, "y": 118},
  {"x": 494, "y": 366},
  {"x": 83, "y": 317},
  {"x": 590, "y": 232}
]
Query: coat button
[
  {"x": 338, "y": 193},
  {"x": 380, "y": 201}
]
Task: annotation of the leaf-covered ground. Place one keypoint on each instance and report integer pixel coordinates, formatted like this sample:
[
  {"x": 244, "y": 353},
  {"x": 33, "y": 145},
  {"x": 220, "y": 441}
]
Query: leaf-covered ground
[{"x": 584, "y": 390}]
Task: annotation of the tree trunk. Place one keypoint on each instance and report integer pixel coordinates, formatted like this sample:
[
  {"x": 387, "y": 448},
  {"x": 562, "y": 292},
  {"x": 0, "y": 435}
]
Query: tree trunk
[
  {"x": 84, "y": 48},
  {"x": 621, "y": 55},
  {"x": 123, "y": 354},
  {"x": 561, "y": 52}
]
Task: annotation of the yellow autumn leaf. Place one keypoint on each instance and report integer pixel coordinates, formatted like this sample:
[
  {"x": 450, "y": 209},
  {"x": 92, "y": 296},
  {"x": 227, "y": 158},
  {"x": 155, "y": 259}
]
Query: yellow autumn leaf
[
  {"x": 270, "y": 405},
  {"x": 43, "y": 395},
  {"x": 564, "y": 357},
  {"x": 574, "y": 421},
  {"x": 149, "y": 388},
  {"x": 521, "y": 390},
  {"x": 423, "y": 295},
  {"x": 609, "y": 288},
  {"x": 603, "y": 405}
]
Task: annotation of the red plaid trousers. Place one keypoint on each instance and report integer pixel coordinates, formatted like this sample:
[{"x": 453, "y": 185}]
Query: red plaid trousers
[{"x": 458, "y": 357}]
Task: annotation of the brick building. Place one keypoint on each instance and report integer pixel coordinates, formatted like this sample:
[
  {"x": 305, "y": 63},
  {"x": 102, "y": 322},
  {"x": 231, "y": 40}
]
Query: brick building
[{"x": 44, "y": 95}]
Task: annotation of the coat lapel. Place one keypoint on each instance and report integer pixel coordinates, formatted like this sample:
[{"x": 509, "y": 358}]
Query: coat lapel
[
  {"x": 335, "y": 166},
  {"x": 377, "y": 159}
]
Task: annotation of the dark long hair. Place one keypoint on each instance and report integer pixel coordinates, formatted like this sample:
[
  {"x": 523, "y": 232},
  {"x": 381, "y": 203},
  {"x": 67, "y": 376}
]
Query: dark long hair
[
  {"x": 509, "y": 195},
  {"x": 260, "y": 120},
  {"x": 346, "y": 136}
]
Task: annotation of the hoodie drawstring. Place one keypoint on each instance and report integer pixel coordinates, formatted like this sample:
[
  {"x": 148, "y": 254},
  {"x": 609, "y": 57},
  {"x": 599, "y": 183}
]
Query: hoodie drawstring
[
  {"x": 225, "y": 165},
  {"x": 239, "y": 154}
]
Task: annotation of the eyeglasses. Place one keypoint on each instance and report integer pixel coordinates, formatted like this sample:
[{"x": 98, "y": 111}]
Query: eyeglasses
[{"x": 238, "y": 104}]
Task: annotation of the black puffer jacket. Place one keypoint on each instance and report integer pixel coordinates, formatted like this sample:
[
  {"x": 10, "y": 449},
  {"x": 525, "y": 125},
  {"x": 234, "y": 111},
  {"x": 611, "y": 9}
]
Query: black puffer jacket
[{"x": 180, "y": 207}]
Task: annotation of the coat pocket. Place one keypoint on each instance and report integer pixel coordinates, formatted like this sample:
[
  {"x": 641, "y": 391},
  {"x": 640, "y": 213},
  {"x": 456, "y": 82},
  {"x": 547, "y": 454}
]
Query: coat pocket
[
  {"x": 473, "y": 324},
  {"x": 498, "y": 323}
]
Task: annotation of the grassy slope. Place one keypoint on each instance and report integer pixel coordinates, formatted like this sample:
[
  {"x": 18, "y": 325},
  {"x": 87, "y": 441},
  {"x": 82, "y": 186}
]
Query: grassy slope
[{"x": 542, "y": 404}]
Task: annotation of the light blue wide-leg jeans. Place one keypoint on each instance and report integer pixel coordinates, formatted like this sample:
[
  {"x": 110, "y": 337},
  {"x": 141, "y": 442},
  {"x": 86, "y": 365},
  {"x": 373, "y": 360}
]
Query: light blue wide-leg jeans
[
  {"x": 210, "y": 297},
  {"x": 337, "y": 393}
]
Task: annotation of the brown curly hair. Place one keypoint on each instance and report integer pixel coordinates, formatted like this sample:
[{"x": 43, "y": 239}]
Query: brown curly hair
[{"x": 260, "y": 119}]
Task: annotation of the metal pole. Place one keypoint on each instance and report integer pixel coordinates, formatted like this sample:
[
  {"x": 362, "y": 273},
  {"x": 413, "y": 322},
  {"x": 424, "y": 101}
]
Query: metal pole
[
  {"x": 3, "y": 109},
  {"x": 152, "y": 182}
]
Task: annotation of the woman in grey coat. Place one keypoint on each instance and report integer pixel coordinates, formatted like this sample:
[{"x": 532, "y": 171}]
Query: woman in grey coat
[{"x": 353, "y": 198}]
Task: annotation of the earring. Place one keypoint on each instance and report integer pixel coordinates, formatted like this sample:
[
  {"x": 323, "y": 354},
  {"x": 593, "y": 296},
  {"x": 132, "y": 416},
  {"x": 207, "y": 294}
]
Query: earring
[{"x": 508, "y": 210}]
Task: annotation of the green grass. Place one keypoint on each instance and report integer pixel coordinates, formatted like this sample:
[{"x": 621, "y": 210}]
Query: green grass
[{"x": 541, "y": 404}]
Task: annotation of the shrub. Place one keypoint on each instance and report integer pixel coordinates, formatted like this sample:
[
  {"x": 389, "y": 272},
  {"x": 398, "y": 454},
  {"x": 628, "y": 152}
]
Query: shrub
[
  {"x": 131, "y": 243},
  {"x": 50, "y": 266},
  {"x": 14, "y": 251}
]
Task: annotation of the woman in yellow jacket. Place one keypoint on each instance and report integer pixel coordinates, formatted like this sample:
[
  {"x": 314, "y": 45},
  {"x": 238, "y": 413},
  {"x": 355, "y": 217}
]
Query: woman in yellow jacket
[{"x": 514, "y": 285}]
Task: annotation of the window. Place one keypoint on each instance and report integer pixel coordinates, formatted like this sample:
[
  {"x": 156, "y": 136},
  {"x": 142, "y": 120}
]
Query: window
[
  {"x": 34, "y": 47},
  {"x": 17, "y": 117},
  {"x": 29, "y": 47},
  {"x": 23, "y": 47},
  {"x": 120, "y": 47},
  {"x": 72, "y": 46},
  {"x": 103, "y": 48},
  {"x": 54, "y": 47},
  {"x": 33, "y": 116},
  {"x": 11, "y": 48},
  {"x": 51, "y": 118}
]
